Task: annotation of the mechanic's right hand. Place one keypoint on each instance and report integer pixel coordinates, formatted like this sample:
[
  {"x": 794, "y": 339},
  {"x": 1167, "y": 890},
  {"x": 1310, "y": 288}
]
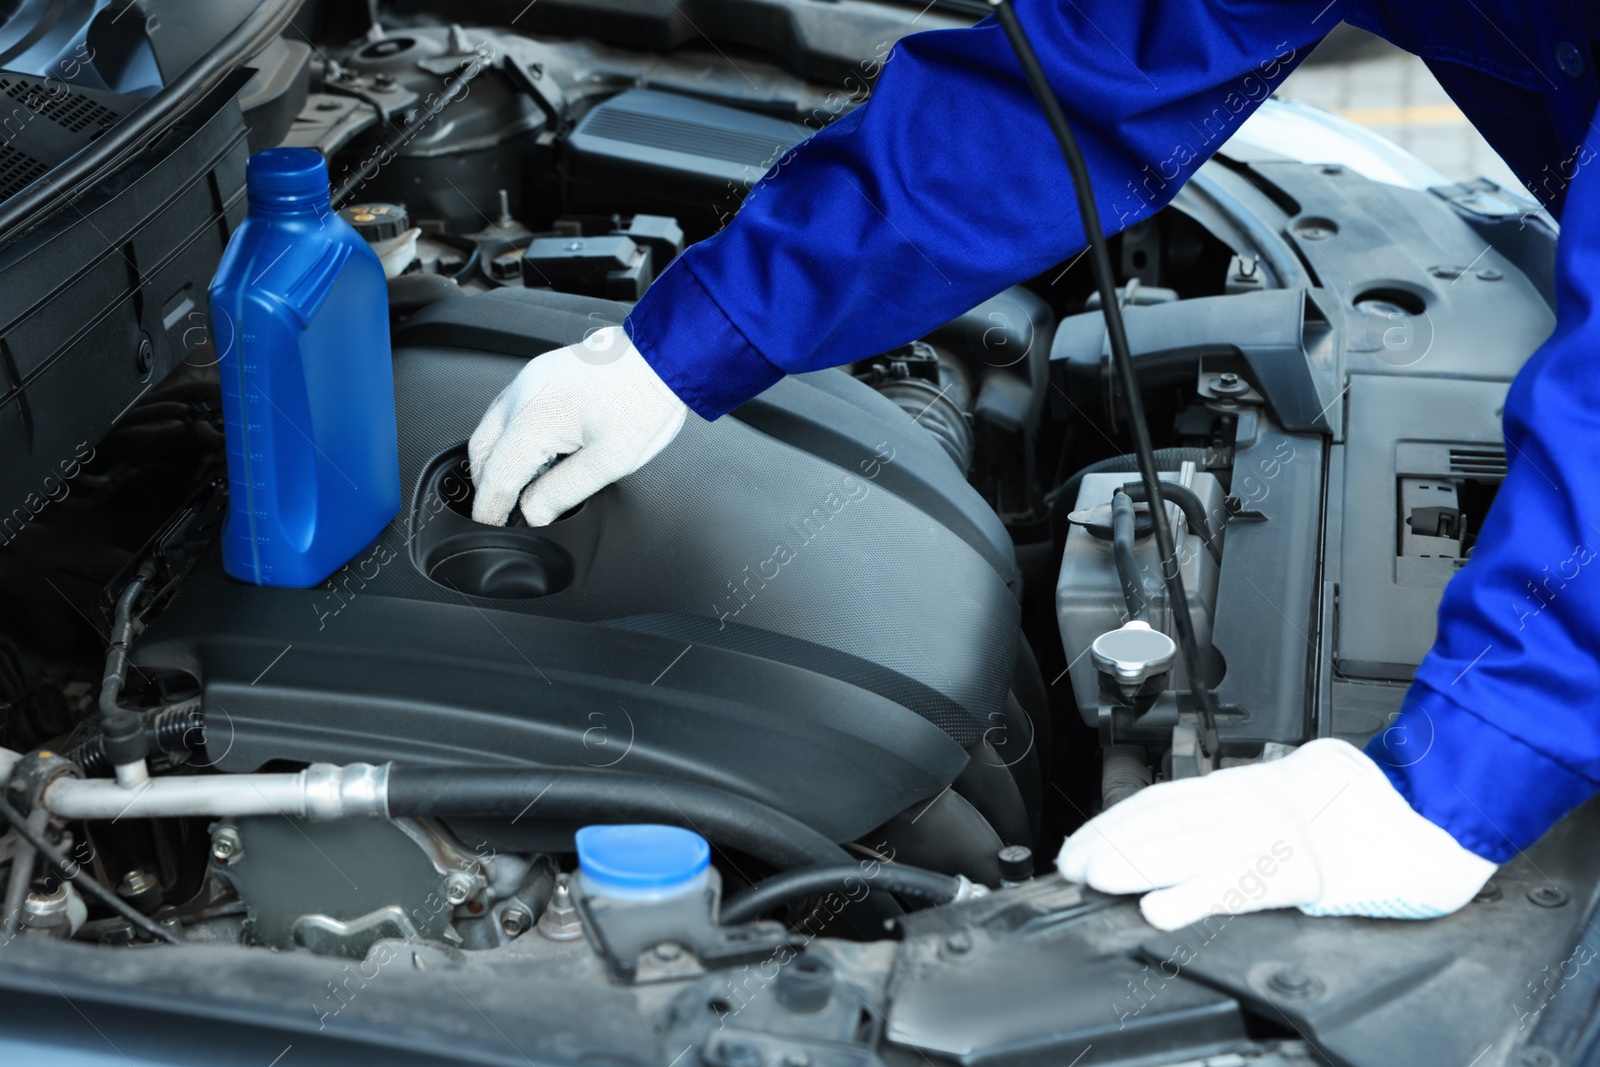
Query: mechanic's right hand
[{"x": 597, "y": 403}]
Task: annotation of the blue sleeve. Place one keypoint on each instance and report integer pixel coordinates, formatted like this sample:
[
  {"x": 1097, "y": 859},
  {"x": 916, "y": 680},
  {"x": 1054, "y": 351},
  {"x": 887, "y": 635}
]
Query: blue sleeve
[
  {"x": 1499, "y": 736},
  {"x": 948, "y": 186}
]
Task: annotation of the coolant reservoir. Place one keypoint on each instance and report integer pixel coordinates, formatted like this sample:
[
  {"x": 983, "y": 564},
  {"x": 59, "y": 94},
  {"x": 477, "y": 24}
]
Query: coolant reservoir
[
  {"x": 1089, "y": 600},
  {"x": 300, "y": 318}
]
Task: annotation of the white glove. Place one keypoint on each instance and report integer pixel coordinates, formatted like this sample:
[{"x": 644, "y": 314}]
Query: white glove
[
  {"x": 598, "y": 403},
  {"x": 1321, "y": 829}
]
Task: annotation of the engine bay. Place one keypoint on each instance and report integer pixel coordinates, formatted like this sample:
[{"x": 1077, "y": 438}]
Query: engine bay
[{"x": 864, "y": 612}]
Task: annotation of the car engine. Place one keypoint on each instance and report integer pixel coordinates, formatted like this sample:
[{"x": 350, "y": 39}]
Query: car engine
[{"x": 870, "y": 603}]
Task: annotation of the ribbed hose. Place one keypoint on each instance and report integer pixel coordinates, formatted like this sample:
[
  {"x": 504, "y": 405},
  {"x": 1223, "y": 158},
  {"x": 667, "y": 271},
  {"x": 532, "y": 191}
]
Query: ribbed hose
[
  {"x": 931, "y": 408},
  {"x": 176, "y": 730},
  {"x": 723, "y": 818},
  {"x": 791, "y": 886}
]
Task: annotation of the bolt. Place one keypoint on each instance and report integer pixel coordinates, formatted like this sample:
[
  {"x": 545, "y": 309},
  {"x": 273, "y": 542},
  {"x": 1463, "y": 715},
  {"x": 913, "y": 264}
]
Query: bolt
[
  {"x": 958, "y": 943},
  {"x": 667, "y": 951},
  {"x": 1488, "y": 894},
  {"x": 146, "y": 357},
  {"x": 515, "y": 921},
  {"x": 1548, "y": 896},
  {"x": 1228, "y": 383},
  {"x": 383, "y": 80},
  {"x": 1447, "y": 273},
  {"x": 135, "y": 882},
  {"x": 795, "y": 1058},
  {"x": 1292, "y": 982},
  {"x": 226, "y": 845},
  {"x": 457, "y": 887},
  {"x": 1537, "y": 1057},
  {"x": 1489, "y": 274}
]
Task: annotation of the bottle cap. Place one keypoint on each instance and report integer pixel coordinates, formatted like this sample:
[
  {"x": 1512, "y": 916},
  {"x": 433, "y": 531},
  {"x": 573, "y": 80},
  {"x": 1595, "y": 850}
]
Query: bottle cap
[
  {"x": 286, "y": 178},
  {"x": 641, "y": 859}
]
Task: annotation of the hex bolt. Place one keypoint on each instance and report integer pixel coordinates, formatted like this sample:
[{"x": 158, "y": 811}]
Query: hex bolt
[
  {"x": 958, "y": 943},
  {"x": 1547, "y": 896},
  {"x": 1489, "y": 274},
  {"x": 1228, "y": 383},
  {"x": 1537, "y": 1057},
  {"x": 795, "y": 1058},
  {"x": 515, "y": 921},
  {"x": 226, "y": 845},
  {"x": 667, "y": 951},
  {"x": 1292, "y": 982},
  {"x": 135, "y": 882},
  {"x": 1489, "y": 893},
  {"x": 458, "y": 887}
]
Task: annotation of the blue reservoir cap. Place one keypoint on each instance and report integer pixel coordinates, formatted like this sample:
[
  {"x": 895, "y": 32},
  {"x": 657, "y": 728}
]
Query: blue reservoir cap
[
  {"x": 286, "y": 177},
  {"x": 641, "y": 857}
]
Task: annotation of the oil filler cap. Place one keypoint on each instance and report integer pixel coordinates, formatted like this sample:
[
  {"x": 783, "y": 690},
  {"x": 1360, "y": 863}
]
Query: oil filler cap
[{"x": 642, "y": 861}]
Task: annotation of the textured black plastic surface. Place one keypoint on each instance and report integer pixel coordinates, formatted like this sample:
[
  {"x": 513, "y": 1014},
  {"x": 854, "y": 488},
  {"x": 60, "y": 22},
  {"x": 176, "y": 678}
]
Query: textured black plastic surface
[
  {"x": 106, "y": 299},
  {"x": 837, "y": 678},
  {"x": 672, "y": 149}
]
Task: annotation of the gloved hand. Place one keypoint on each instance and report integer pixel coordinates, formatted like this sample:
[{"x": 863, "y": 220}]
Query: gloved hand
[
  {"x": 597, "y": 403},
  {"x": 1320, "y": 829}
]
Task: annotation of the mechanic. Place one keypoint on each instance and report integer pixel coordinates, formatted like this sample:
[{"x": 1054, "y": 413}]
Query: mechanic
[{"x": 948, "y": 187}]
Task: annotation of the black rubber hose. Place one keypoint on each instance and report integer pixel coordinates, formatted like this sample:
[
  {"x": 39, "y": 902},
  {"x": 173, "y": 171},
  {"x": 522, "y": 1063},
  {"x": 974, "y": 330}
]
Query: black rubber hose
[
  {"x": 723, "y": 818},
  {"x": 1122, "y": 362},
  {"x": 177, "y": 730},
  {"x": 81, "y": 878},
  {"x": 1065, "y": 496},
  {"x": 1194, "y": 512},
  {"x": 1122, "y": 531},
  {"x": 791, "y": 886}
]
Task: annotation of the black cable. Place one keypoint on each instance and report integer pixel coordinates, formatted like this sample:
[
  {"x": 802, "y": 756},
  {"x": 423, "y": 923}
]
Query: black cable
[
  {"x": 790, "y": 886},
  {"x": 1194, "y": 512},
  {"x": 724, "y": 818},
  {"x": 81, "y": 878},
  {"x": 1122, "y": 531},
  {"x": 1100, "y": 260},
  {"x": 121, "y": 730}
]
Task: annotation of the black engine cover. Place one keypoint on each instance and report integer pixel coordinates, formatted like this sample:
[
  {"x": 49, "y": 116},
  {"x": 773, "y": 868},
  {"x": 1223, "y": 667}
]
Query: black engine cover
[{"x": 819, "y": 613}]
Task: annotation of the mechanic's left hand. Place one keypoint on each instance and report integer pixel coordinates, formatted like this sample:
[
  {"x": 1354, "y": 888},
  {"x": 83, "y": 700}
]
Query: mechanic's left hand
[{"x": 1320, "y": 829}]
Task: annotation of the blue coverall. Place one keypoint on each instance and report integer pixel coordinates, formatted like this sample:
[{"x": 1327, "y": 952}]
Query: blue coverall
[{"x": 948, "y": 187}]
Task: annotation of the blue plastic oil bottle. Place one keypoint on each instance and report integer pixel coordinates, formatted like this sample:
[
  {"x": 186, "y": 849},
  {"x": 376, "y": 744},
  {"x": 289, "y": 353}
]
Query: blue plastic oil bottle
[{"x": 300, "y": 319}]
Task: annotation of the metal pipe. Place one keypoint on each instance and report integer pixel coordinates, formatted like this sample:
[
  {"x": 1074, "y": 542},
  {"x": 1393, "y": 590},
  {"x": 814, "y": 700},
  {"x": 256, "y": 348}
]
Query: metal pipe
[{"x": 321, "y": 791}]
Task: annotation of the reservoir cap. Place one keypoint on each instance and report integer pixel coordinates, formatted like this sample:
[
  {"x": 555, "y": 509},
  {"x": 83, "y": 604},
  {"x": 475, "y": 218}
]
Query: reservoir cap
[{"x": 642, "y": 859}]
